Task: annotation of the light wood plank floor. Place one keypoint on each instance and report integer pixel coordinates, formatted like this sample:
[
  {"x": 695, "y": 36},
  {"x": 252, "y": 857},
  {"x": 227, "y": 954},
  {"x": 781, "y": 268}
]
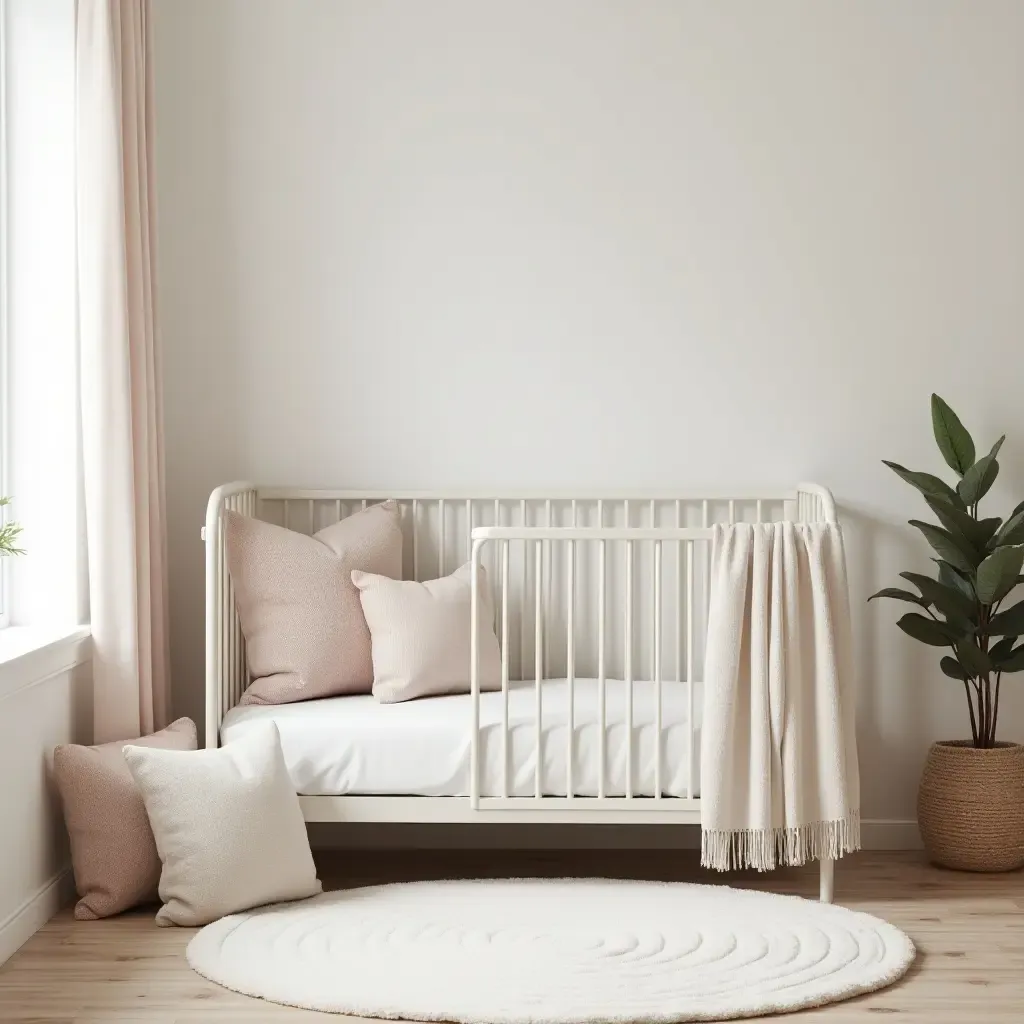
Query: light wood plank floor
[{"x": 969, "y": 930}]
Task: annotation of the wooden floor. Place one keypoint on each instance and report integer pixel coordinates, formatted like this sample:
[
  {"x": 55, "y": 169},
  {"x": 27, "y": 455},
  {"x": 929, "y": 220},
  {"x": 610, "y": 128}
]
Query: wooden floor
[{"x": 969, "y": 930}]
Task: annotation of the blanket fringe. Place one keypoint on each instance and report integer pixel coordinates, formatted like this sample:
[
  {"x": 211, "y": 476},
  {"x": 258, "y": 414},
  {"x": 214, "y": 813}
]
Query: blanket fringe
[{"x": 769, "y": 848}]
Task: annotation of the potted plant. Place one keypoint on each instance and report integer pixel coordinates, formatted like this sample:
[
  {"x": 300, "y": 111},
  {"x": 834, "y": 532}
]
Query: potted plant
[
  {"x": 9, "y": 533},
  {"x": 971, "y": 800}
]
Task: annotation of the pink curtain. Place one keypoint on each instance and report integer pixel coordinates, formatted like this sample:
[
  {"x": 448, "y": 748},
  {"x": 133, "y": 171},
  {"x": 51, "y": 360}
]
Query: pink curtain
[{"x": 122, "y": 426}]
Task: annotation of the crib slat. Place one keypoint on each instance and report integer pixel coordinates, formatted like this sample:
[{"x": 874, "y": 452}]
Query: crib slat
[
  {"x": 521, "y": 673},
  {"x": 602, "y": 696},
  {"x": 222, "y": 668},
  {"x": 706, "y": 593},
  {"x": 570, "y": 662},
  {"x": 441, "y": 562},
  {"x": 415, "y": 539},
  {"x": 690, "y": 724},
  {"x": 547, "y": 583},
  {"x": 500, "y": 603},
  {"x": 629, "y": 668},
  {"x": 229, "y": 628},
  {"x": 469, "y": 527},
  {"x": 474, "y": 677},
  {"x": 538, "y": 658},
  {"x": 657, "y": 669},
  {"x": 679, "y": 596},
  {"x": 504, "y": 668}
]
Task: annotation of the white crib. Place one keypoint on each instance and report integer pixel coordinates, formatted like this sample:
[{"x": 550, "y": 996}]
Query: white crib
[{"x": 603, "y": 591}]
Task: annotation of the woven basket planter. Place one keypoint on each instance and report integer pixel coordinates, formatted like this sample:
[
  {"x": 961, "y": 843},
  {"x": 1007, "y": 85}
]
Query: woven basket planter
[{"x": 970, "y": 807}]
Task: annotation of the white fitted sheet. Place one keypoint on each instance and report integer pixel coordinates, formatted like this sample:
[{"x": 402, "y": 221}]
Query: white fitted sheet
[{"x": 355, "y": 746}]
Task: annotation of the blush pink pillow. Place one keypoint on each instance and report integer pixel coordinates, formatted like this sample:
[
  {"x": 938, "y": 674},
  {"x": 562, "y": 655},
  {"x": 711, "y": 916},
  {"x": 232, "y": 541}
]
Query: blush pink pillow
[
  {"x": 113, "y": 852},
  {"x": 304, "y": 629},
  {"x": 421, "y": 635}
]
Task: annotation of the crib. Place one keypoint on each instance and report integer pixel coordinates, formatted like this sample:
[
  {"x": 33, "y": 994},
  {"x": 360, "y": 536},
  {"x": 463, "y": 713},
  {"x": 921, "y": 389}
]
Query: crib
[{"x": 600, "y": 608}]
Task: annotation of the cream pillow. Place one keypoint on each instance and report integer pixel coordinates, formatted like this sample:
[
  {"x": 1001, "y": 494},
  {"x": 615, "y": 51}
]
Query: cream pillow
[
  {"x": 112, "y": 850},
  {"x": 421, "y": 635},
  {"x": 228, "y": 827},
  {"x": 305, "y": 634}
]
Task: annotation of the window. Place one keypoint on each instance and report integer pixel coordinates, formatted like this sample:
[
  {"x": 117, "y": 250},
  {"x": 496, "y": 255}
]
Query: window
[
  {"x": 39, "y": 464},
  {"x": 5, "y": 513}
]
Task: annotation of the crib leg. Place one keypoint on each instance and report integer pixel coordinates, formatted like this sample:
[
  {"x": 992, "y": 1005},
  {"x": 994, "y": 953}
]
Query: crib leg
[{"x": 828, "y": 870}]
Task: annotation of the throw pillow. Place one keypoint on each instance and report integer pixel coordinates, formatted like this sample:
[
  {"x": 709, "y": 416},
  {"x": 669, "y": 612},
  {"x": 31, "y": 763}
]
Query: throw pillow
[
  {"x": 304, "y": 630},
  {"x": 421, "y": 635},
  {"x": 113, "y": 854},
  {"x": 227, "y": 825}
]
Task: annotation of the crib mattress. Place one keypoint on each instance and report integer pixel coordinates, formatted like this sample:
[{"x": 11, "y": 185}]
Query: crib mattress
[{"x": 347, "y": 746}]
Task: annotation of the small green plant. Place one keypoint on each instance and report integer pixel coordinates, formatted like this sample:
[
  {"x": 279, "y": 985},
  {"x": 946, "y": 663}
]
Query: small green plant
[
  {"x": 9, "y": 533},
  {"x": 979, "y": 563}
]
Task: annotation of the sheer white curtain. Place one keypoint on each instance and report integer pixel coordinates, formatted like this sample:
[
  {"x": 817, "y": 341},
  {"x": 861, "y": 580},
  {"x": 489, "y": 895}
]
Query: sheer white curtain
[{"x": 122, "y": 427}]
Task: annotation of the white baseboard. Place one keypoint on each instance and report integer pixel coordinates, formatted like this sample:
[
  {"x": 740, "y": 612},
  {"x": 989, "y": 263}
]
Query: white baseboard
[
  {"x": 876, "y": 834},
  {"x": 17, "y": 928}
]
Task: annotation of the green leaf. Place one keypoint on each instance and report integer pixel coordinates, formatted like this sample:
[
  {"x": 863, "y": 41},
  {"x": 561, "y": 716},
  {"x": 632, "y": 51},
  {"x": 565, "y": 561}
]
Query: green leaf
[
  {"x": 947, "y": 547},
  {"x": 987, "y": 529},
  {"x": 952, "y": 437},
  {"x": 973, "y": 534},
  {"x": 1012, "y": 531},
  {"x": 952, "y": 578},
  {"x": 953, "y": 668},
  {"x": 927, "y": 484},
  {"x": 900, "y": 595},
  {"x": 950, "y": 600},
  {"x": 1014, "y": 662},
  {"x": 1008, "y": 623},
  {"x": 997, "y": 575},
  {"x": 980, "y": 477},
  {"x": 1001, "y": 649},
  {"x": 928, "y": 631},
  {"x": 974, "y": 660}
]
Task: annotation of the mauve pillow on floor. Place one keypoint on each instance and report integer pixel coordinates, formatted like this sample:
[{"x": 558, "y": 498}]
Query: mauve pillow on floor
[
  {"x": 304, "y": 629},
  {"x": 112, "y": 848}
]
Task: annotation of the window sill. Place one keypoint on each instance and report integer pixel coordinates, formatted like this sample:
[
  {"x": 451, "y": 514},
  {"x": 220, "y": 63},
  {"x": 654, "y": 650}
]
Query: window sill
[{"x": 30, "y": 654}]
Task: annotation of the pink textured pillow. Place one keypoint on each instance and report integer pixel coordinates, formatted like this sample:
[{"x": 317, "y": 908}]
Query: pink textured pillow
[
  {"x": 113, "y": 852},
  {"x": 421, "y": 635},
  {"x": 304, "y": 630}
]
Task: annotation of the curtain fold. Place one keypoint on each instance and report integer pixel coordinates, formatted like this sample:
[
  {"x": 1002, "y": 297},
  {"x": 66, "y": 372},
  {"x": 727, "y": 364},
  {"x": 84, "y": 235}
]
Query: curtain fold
[{"x": 119, "y": 367}]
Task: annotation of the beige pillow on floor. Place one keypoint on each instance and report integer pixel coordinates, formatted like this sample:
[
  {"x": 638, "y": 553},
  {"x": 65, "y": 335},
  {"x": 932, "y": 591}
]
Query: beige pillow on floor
[
  {"x": 421, "y": 635},
  {"x": 227, "y": 825},
  {"x": 112, "y": 850},
  {"x": 304, "y": 629}
]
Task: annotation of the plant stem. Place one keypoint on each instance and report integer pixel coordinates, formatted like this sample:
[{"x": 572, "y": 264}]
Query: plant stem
[
  {"x": 970, "y": 708},
  {"x": 983, "y": 690},
  {"x": 995, "y": 712}
]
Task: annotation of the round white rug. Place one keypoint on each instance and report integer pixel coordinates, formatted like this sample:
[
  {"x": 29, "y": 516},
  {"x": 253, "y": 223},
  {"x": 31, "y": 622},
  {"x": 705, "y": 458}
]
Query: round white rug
[{"x": 558, "y": 951}]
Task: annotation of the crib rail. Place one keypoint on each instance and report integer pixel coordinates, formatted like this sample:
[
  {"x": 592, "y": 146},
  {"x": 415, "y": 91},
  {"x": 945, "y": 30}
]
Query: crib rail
[
  {"x": 675, "y": 614},
  {"x": 683, "y": 610},
  {"x": 439, "y": 531}
]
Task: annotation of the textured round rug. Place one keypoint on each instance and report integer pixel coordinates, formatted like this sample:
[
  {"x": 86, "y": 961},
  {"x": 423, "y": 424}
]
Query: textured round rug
[{"x": 558, "y": 951}]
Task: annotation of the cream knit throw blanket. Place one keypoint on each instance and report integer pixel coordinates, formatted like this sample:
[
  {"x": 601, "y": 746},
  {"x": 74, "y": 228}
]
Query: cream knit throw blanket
[{"x": 779, "y": 780}]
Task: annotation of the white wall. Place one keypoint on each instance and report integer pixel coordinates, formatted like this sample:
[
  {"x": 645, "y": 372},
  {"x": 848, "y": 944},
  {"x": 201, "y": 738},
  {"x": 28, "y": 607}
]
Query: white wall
[
  {"x": 46, "y": 699},
  {"x": 648, "y": 244}
]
